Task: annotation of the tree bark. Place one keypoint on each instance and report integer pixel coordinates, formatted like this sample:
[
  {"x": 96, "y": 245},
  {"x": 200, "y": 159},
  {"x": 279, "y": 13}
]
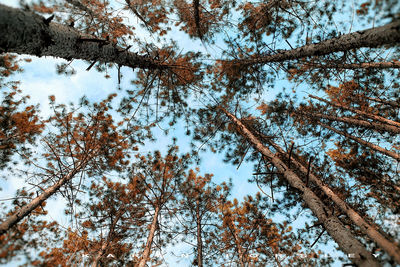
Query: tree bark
[
  {"x": 353, "y": 66},
  {"x": 199, "y": 236},
  {"x": 359, "y": 112},
  {"x": 36, "y": 202},
  {"x": 147, "y": 250},
  {"x": 374, "y": 37},
  {"x": 24, "y": 32},
  {"x": 386, "y": 102},
  {"x": 387, "y": 245},
  {"x": 362, "y": 142},
  {"x": 343, "y": 237},
  {"x": 103, "y": 248},
  {"x": 352, "y": 121}
]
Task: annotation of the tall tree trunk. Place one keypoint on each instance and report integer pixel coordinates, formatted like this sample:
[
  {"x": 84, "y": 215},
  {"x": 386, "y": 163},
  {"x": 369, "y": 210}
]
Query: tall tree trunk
[
  {"x": 335, "y": 228},
  {"x": 25, "y": 32},
  {"x": 352, "y": 121},
  {"x": 387, "y": 245},
  {"x": 352, "y": 66},
  {"x": 238, "y": 247},
  {"x": 147, "y": 250},
  {"x": 199, "y": 236},
  {"x": 386, "y": 102},
  {"x": 36, "y": 202},
  {"x": 374, "y": 37},
  {"x": 362, "y": 142},
  {"x": 359, "y": 112},
  {"x": 110, "y": 234}
]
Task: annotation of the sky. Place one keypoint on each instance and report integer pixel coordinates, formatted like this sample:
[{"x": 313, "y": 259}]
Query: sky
[{"x": 40, "y": 80}]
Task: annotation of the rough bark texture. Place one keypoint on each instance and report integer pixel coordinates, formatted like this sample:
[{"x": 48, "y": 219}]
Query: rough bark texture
[
  {"x": 147, "y": 250},
  {"x": 389, "y": 246},
  {"x": 359, "y": 112},
  {"x": 363, "y": 142},
  {"x": 199, "y": 236},
  {"x": 357, "y": 122},
  {"x": 343, "y": 237},
  {"x": 36, "y": 202},
  {"x": 24, "y": 32},
  {"x": 374, "y": 37}
]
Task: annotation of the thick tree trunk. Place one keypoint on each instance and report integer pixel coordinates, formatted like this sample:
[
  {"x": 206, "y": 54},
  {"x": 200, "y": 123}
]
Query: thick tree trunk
[
  {"x": 24, "y": 32},
  {"x": 36, "y": 202},
  {"x": 147, "y": 250},
  {"x": 199, "y": 236},
  {"x": 238, "y": 247},
  {"x": 390, "y": 247},
  {"x": 362, "y": 142},
  {"x": 335, "y": 228},
  {"x": 356, "y": 122},
  {"x": 374, "y": 37},
  {"x": 359, "y": 112}
]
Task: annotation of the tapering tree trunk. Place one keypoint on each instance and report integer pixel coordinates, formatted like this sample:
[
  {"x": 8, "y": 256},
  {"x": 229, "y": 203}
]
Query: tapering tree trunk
[
  {"x": 147, "y": 250},
  {"x": 359, "y": 112},
  {"x": 199, "y": 236},
  {"x": 36, "y": 202},
  {"x": 352, "y": 66},
  {"x": 362, "y": 142},
  {"x": 390, "y": 247},
  {"x": 335, "y": 228},
  {"x": 103, "y": 248},
  {"x": 386, "y": 102},
  {"x": 238, "y": 247},
  {"x": 388, "y": 34},
  {"x": 357, "y": 122},
  {"x": 25, "y": 32}
]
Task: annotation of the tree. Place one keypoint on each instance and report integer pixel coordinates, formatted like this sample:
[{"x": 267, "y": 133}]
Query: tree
[{"x": 244, "y": 49}]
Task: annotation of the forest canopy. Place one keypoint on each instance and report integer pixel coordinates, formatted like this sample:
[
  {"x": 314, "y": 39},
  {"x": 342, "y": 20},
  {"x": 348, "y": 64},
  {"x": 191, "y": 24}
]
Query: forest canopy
[{"x": 303, "y": 95}]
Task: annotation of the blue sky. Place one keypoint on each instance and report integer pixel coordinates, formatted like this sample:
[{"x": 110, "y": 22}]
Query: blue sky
[{"x": 39, "y": 80}]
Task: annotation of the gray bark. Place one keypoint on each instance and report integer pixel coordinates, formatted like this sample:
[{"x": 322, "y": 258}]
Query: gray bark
[
  {"x": 388, "y": 34},
  {"x": 389, "y": 246},
  {"x": 363, "y": 142},
  {"x": 24, "y": 32},
  {"x": 335, "y": 228},
  {"x": 199, "y": 236}
]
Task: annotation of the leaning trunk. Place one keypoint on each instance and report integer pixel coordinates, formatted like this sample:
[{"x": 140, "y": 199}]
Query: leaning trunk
[
  {"x": 147, "y": 250},
  {"x": 352, "y": 121},
  {"x": 25, "y": 32},
  {"x": 36, "y": 202},
  {"x": 335, "y": 228},
  {"x": 382, "y": 241},
  {"x": 360, "y": 112},
  {"x": 388, "y": 34},
  {"x": 362, "y": 142}
]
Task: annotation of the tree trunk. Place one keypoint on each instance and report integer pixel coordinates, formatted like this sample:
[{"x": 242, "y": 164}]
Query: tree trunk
[
  {"x": 36, "y": 202},
  {"x": 359, "y": 112},
  {"x": 352, "y": 66},
  {"x": 199, "y": 237},
  {"x": 382, "y": 241},
  {"x": 386, "y": 102},
  {"x": 343, "y": 237},
  {"x": 239, "y": 247},
  {"x": 147, "y": 250},
  {"x": 103, "y": 248},
  {"x": 363, "y": 142},
  {"x": 352, "y": 121},
  {"x": 25, "y": 32},
  {"x": 385, "y": 35}
]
